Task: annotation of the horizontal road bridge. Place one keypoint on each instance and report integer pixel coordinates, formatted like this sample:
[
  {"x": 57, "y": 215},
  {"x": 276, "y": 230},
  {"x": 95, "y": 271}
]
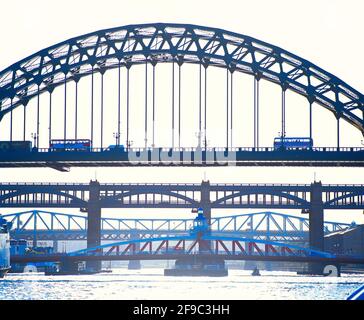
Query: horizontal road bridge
[{"x": 186, "y": 157}]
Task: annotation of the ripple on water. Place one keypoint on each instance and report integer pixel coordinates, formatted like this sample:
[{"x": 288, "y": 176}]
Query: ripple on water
[{"x": 151, "y": 284}]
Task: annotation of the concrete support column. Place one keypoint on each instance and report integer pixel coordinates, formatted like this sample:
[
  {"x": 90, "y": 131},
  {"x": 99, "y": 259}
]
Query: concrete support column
[
  {"x": 94, "y": 222},
  {"x": 316, "y": 218}
]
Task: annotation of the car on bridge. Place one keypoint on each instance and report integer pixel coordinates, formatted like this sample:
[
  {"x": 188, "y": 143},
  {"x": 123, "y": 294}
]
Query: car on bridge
[{"x": 115, "y": 148}]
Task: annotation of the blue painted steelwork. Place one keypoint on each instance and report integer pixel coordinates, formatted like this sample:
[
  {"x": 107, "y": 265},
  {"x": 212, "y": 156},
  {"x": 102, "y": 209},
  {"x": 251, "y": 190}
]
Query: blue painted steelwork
[
  {"x": 222, "y": 196},
  {"x": 150, "y": 44},
  {"x": 358, "y": 294},
  {"x": 44, "y": 225},
  {"x": 200, "y": 224},
  {"x": 188, "y": 157},
  {"x": 199, "y": 243},
  {"x": 162, "y": 42},
  {"x": 163, "y": 245},
  {"x": 5, "y": 227}
]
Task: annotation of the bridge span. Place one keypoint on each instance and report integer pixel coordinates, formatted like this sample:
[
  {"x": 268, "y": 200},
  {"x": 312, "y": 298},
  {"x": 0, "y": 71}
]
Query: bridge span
[
  {"x": 56, "y": 135},
  {"x": 80, "y": 122},
  {"x": 38, "y": 225},
  {"x": 63, "y": 160},
  {"x": 196, "y": 246},
  {"x": 312, "y": 199}
]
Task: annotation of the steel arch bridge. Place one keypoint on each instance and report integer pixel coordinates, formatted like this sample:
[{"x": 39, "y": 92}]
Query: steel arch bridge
[
  {"x": 39, "y": 225},
  {"x": 150, "y": 45}
]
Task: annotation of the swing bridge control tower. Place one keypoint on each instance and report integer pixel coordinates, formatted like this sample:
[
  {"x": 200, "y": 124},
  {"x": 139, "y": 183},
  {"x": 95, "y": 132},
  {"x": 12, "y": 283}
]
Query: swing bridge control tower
[
  {"x": 201, "y": 264},
  {"x": 53, "y": 113}
]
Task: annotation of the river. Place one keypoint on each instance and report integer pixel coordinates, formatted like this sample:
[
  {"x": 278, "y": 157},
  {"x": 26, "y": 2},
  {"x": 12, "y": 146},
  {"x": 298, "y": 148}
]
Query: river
[{"x": 150, "y": 284}]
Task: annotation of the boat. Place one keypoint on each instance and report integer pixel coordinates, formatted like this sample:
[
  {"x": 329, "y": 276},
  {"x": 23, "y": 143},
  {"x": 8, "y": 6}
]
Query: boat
[
  {"x": 19, "y": 248},
  {"x": 4, "y": 246},
  {"x": 55, "y": 270},
  {"x": 198, "y": 267},
  {"x": 256, "y": 272}
]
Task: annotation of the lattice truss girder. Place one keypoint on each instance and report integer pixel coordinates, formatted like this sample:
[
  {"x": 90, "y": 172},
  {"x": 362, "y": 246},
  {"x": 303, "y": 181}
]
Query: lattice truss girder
[
  {"x": 155, "y": 43},
  {"x": 273, "y": 223}
]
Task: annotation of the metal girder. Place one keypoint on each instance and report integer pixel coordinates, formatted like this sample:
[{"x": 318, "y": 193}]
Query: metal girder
[
  {"x": 118, "y": 195},
  {"x": 45, "y": 225},
  {"x": 172, "y": 245},
  {"x": 182, "y": 43}
]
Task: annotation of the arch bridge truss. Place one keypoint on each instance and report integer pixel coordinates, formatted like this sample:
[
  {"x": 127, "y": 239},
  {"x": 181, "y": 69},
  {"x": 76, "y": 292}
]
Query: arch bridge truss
[{"x": 177, "y": 44}]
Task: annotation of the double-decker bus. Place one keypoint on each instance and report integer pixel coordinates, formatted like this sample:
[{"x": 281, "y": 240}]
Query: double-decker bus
[
  {"x": 297, "y": 143},
  {"x": 70, "y": 145},
  {"x": 11, "y": 146}
]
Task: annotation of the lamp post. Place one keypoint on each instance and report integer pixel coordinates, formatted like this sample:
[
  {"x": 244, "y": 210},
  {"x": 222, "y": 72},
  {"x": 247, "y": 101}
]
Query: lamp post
[
  {"x": 117, "y": 138},
  {"x": 198, "y": 136},
  {"x": 129, "y": 143},
  {"x": 35, "y": 138}
]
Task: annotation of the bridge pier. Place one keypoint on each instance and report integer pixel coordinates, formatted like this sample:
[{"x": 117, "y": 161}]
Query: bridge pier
[
  {"x": 205, "y": 205},
  {"x": 55, "y": 246},
  {"x": 205, "y": 202},
  {"x": 135, "y": 264},
  {"x": 68, "y": 267},
  {"x": 94, "y": 223},
  {"x": 316, "y": 223}
]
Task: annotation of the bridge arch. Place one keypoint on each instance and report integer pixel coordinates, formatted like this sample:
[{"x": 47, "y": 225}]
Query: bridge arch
[
  {"x": 342, "y": 198},
  {"x": 246, "y": 193},
  {"x": 161, "y": 193},
  {"x": 11, "y": 195},
  {"x": 181, "y": 43}
]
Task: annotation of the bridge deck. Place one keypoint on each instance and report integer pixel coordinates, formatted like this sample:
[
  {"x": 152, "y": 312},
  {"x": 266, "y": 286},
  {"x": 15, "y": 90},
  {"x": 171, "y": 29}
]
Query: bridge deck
[
  {"x": 62, "y": 160},
  {"x": 283, "y": 196},
  {"x": 300, "y": 259}
]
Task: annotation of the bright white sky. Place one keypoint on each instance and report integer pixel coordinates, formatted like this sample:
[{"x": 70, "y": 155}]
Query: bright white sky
[{"x": 325, "y": 32}]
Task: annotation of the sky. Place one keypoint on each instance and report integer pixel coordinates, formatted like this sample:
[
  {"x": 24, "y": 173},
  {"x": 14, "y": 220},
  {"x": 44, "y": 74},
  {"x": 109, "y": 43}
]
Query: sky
[{"x": 325, "y": 32}]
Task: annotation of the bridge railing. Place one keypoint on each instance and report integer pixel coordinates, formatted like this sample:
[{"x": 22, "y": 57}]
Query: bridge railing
[
  {"x": 209, "y": 149},
  {"x": 198, "y": 186}
]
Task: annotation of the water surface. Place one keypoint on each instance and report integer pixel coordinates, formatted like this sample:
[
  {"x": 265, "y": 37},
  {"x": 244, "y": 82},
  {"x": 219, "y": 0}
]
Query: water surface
[{"x": 151, "y": 284}]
